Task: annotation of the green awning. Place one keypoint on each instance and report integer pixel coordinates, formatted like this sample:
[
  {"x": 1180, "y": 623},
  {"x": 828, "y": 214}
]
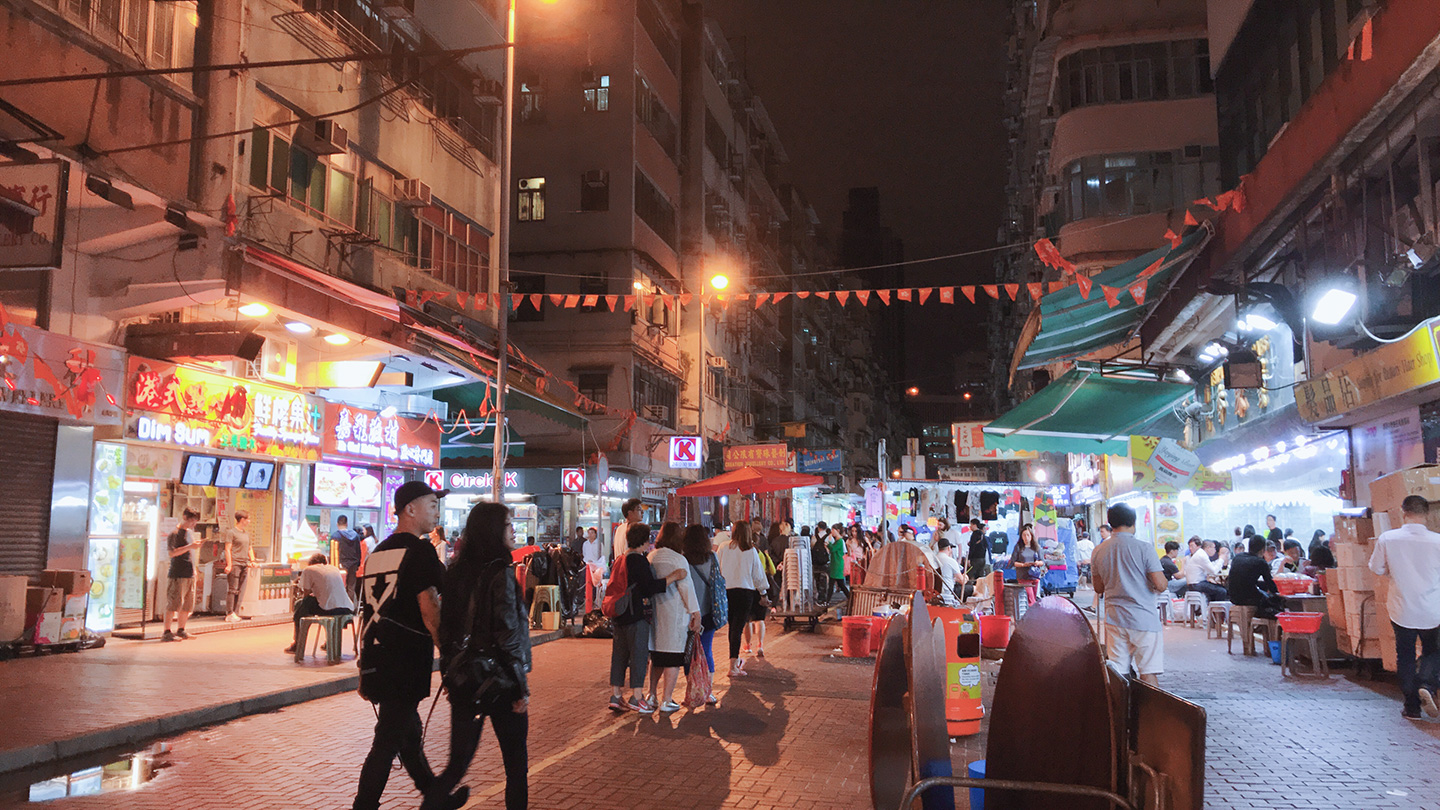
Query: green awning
[
  {"x": 1085, "y": 412},
  {"x": 469, "y": 397},
  {"x": 461, "y": 449},
  {"x": 1072, "y": 326}
]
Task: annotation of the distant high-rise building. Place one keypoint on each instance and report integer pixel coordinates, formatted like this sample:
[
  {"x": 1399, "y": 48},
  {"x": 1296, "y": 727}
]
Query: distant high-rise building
[{"x": 866, "y": 242}]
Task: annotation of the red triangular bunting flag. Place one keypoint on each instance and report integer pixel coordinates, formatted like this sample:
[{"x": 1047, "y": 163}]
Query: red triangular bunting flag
[
  {"x": 1084, "y": 283},
  {"x": 947, "y": 295},
  {"x": 824, "y": 295},
  {"x": 535, "y": 299},
  {"x": 969, "y": 293},
  {"x": 991, "y": 290},
  {"x": 803, "y": 294},
  {"x": 572, "y": 301},
  {"x": 590, "y": 301},
  {"x": 411, "y": 299},
  {"x": 515, "y": 300},
  {"x": 863, "y": 296},
  {"x": 904, "y": 295},
  {"x": 761, "y": 298},
  {"x": 1014, "y": 291},
  {"x": 1050, "y": 256},
  {"x": 425, "y": 296},
  {"x": 742, "y": 297},
  {"x": 611, "y": 301},
  {"x": 668, "y": 301},
  {"x": 885, "y": 296},
  {"x": 1190, "y": 219},
  {"x": 1207, "y": 202},
  {"x": 842, "y": 296},
  {"x": 1173, "y": 237},
  {"x": 925, "y": 293},
  {"x": 1057, "y": 286},
  {"x": 1112, "y": 295},
  {"x": 1152, "y": 269},
  {"x": 686, "y": 298},
  {"x": 629, "y": 302},
  {"x": 463, "y": 299},
  {"x": 780, "y": 296},
  {"x": 1037, "y": 289},
  {"x": 1137, "y": 291},
  {"x": 557, "y": 300}
]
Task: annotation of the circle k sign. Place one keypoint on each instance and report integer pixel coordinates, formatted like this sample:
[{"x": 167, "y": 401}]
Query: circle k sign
[
  {"x": 684, "y": 452},
  {"x": 435, "y": 479},
  {"x": 572, "y": 480}
]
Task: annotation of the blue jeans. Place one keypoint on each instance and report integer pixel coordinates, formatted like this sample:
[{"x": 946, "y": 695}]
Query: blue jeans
[
  {"x": 707, "y": 639},
  {"x": 1410, "y": 681}
]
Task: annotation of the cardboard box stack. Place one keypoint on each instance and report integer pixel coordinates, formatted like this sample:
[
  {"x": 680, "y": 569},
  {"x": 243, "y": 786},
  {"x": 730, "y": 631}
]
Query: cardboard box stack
[
  {"x": 55, "y": 610},
  {"x": 12, "y": 608},
  {"x": 1351, "y": 601},
  {"x": 1386, "y": 495}
]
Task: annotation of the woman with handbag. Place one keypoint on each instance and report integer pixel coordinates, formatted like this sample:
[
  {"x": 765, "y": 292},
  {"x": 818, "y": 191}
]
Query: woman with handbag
[
  {"x": 677, "y": 614},
  {"x": 485, "y": 654},
  {"x": 709, "y": 590},
  {"x": 1029, "y": 562},
  {"x": 744, "y": 580}
]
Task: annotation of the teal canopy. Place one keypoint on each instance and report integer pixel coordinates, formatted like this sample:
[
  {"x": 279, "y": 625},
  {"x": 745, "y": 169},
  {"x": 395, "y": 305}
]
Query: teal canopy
[{"x": 1087, "y": 412}]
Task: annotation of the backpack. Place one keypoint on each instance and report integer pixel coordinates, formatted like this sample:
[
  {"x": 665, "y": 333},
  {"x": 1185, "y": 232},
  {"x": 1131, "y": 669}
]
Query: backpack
[
  {"x": 719, "y": 599},
  {"x": 617, "y": 591},
  {"x": 819, "y": 554}
]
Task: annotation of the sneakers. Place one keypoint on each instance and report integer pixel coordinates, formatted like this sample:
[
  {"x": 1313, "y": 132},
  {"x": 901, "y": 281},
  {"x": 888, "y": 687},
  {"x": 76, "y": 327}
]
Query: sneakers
[
  {"x": 290, "y": 650},
  {"x": 760, "y": 653},
  {"x": 639, "y": 706},
  {"x": 669, "y": 706},
  {"x": 1408, "y": 716},
  {"x": 169, "y": 636},
  {"x": 231, "y": 618},
  {"x": 711, "y": 699},
  {"x": 617, "y": 704},
  {"x": 1427, "y": 702},
  {"x": 182, "y": 635}
]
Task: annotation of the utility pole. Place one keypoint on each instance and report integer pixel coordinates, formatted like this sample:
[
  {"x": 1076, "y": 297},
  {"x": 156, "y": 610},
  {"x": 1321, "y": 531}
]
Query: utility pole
[{"x": 502, "y": 365}]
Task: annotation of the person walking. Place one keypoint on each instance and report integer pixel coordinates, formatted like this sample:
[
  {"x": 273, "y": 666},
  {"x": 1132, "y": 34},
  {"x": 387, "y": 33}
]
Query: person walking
[
  {"x": 1410, "y": 557},
  {"x": 1127, "y": 575},
  {"x": 239, "y": 559},
  {"x": 326, "y": 593},
  {"x": 744, "y": 580},
  {"x": 755, "y": 629},
  {"x": 677, "y": 613},
  {"x": 483, "y": 615},
  {"x": 180, "y": 583},
  {"x": 1028, "y": 562},
  {"x": 630, "y": 645},
  {"x": 820, "y": 561},
  {"x": 837, "y": 568},
  {"x": 706, "y": 579},
  {"x": 347, "y": 549},
  {"x": 978, "y": 551},
  {"x": 400, "y": 626}
]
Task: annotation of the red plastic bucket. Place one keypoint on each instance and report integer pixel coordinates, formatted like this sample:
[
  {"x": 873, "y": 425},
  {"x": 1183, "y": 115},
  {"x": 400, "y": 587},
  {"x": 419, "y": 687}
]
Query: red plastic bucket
[
  {"x": 995, "y": 631},
  {"x": 856, "y": 640},
  {"x": 877, "y": 632}
]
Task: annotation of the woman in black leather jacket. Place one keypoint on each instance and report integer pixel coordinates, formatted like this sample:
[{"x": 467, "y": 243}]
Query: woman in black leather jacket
[{"x": 482, "y": 572}]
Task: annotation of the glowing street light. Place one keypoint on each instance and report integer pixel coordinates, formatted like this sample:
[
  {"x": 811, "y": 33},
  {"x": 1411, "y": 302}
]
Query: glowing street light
[
  {"x": 913, "y": 391},
  {"x": 1333, "y": 306},
  {"x": 719, "y": 281}
]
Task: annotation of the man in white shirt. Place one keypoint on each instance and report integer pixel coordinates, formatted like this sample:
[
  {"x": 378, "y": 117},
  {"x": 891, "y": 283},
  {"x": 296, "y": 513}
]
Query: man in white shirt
[
  {"x": 952, "y": 576},
  {"x": 325, "y": 593},
  {"x": 1084, "y": 550},
  {"x": 1410, "y": 557},
  {"x": 1199, "y": 567}
]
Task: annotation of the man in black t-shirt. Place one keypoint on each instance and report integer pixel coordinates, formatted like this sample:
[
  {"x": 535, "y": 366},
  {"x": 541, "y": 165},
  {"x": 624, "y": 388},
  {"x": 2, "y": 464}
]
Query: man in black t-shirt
[
  {"x": 180, "y": 585},
  {"x": 978, "y": 551},
  {"x": 400, "y": 623}
]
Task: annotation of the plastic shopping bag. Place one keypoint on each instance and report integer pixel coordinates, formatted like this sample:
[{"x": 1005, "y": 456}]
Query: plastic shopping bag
[{"x": 699, "y": 681}]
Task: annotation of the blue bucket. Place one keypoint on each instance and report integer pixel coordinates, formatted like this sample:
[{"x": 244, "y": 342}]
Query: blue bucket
[
  {"x": 976, "y": 770},
  {"x": 1275, "y": 651}
]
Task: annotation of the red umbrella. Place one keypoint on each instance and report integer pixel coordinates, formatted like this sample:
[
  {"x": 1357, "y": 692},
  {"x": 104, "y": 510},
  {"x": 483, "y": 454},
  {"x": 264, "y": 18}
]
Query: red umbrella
[{"x": 748, "y": 481}]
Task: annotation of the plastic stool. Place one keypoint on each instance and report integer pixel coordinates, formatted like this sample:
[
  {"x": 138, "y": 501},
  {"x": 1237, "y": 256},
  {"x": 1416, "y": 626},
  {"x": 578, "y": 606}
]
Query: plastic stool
[
  {"x": 334, "y": 627},
  {"x": 1319, "y": 668},
  {"x": 1162, "y": 604},
  {"x": 1240, "y": 616},
  {"x": 1269, "y": 627},
  {"x": 1194, "y": 600},
  {"x": 1218, "y": 620},
  {"x": 549, "y": 597}
]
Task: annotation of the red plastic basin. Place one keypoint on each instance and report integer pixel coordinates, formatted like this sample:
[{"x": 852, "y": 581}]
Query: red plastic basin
[
  {"x": 1300, "y": 622},
  {"x": 855, "y": 643},
  {"x": 995, "y": 631}
]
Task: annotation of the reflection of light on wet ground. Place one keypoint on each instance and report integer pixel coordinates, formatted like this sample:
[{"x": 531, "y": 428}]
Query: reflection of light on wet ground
[{"x": 127, "y": 773}]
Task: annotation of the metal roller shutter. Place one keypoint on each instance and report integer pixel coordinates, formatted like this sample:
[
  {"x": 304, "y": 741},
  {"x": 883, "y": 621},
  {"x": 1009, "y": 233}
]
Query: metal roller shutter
[{"x": 27, "y": 473}]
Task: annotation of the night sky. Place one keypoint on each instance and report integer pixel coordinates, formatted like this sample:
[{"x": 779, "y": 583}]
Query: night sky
[{"x": 900, "y": 94}]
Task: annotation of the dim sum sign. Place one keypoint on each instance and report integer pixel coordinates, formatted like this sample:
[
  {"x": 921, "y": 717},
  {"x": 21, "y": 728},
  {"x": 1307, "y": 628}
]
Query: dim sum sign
[{"x": 186, "y": 407}]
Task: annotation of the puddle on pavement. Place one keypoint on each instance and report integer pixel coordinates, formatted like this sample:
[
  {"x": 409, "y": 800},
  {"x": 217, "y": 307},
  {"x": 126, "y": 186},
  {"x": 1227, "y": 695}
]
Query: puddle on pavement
[{"x": 126, "y": 773}]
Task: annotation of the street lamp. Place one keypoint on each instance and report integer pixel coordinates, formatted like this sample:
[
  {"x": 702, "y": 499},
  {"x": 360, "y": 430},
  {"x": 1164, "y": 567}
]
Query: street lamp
[
  {"x": 913, "y": 391},
  {"x": 1333, "y": 306}
]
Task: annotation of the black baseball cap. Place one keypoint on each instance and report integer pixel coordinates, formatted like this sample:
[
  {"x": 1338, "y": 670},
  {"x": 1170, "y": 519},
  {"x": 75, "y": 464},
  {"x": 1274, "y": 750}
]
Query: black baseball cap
[
  {"x": 411, "y": 490},
  {"x": 942, "y": 543}
]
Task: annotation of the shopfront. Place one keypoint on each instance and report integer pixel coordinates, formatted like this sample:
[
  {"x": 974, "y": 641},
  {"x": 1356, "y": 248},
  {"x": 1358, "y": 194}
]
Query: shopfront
[
  {"x": 469, "y": 487},
  {"x": 215, "y": 444}
]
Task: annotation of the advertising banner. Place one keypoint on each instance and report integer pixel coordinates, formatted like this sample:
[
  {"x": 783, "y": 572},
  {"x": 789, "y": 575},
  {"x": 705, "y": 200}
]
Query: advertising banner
[
  {"x": 1162, "y": 465},
  {"x": 55, "y": 375},
  {"x": 366, "y": 435},
  {"x": 969, "y": 440},
  {"x": 1387, "y": 371},
  {"x": 768, "y": 456},
  {"x": 185, "y": 407},
  {"x": 818, "y": 461}
]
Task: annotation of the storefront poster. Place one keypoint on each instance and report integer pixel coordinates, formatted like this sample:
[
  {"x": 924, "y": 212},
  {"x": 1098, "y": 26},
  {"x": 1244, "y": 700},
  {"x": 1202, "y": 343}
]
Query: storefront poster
[
  {"x": 394, "y": 479},
  {"x": 1162, "y": 465},
  {"x": 818, "y": 461},
  {"x": 185, "y": 407},
  {"x": 130, "y": 574},
  {"x": 107, "y": 489},
  {"x": 103, "y": 564},
  {"x": 55, "y": 375},
  {"x": 969, "y": 441},
  {"x": 152, "y": 463},
  {"x": 344, "y": 485},
  {"x": 1382, "y": 446},
  {"x": 32, "y": 232},
  {"x": 1167, "y": 520},
  {"x": 365, "y": 435},
  {"x": 1387, "y": 371},
  {"x": 768, "y": 456}
]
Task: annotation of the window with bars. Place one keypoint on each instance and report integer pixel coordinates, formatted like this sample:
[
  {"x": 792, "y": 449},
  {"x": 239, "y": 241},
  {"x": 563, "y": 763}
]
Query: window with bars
[
  {"x": 530, "y": 99},
  {"x": 654, "y": 210},
  {"x": 594, "y": 385},
  {"x": 1148, "y": 71},
  {"x": 1143, "y": 183},
  {"x": 652, "y": 19},
  {"x": 143, "y": 29},
  {"x": 596, "y": 91},
  {"x": 454, "y": 251},
  {"x": 652, "y": 113},
  {"x": 528, "y": 284},
  {"x": 655, "y": 395},
  {"x": 530, "y": 200}
]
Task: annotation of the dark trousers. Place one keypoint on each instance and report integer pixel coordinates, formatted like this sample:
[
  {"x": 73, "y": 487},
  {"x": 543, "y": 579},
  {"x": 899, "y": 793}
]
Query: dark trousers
[
  {"x": 310, "y": 606},
  {"x": 1410, "y": 682},
  {"x": 823, "y": 589},
  {"x": 630, "y": 650},
  {"x": 742, "y": 605},
  {"x": 839, "y": 583},
  {"x": 1213, "y": 592},
  {"x": 511, "y": 730},
  {"x": 397, "y": 732}
]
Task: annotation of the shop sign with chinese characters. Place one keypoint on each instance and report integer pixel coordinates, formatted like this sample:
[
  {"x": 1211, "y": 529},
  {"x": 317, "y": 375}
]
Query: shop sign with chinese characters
[
  {"x": 58, "y": 376},
  {"x": 769, "y": 456},
  {"x": 32, "y": 213},
  {"x": 969, "y": 441},
  {"x": 363, "y": 434},
  {"x": 1388, "y": 371},
  {"x": 182, "y": 406}
]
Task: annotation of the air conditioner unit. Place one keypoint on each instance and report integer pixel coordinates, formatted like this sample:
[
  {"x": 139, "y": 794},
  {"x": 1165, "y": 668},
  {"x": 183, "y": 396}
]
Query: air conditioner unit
[
  {"x": 488, "y": 91},
  {"x": 718, "y": 362},
  {"x": 411, "y": 193},
  {"x": 595, "y": 177},
  {"x": 748, "y": 420},
  {"x": 656, "y": 413},
  {"x": 322, "y": 136},
  {"x": 397, "y": 9}
]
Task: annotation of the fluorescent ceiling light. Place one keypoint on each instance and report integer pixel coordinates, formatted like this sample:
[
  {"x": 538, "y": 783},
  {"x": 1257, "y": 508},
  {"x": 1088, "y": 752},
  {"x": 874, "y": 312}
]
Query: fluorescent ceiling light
[
  {"x": 255, "y": 309},
  {"x": 1333, "y": 306},
  {"x": 337, "y": 339},
  {"x": 299, "y": 327},
  {"x": 1257, "y": 321},
  {"x": 388, "y": 412}
]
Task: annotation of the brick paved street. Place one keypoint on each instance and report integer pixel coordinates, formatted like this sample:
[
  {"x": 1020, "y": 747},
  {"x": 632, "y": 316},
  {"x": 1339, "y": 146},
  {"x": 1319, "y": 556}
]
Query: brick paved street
[{"x": 792, "y": 735}]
